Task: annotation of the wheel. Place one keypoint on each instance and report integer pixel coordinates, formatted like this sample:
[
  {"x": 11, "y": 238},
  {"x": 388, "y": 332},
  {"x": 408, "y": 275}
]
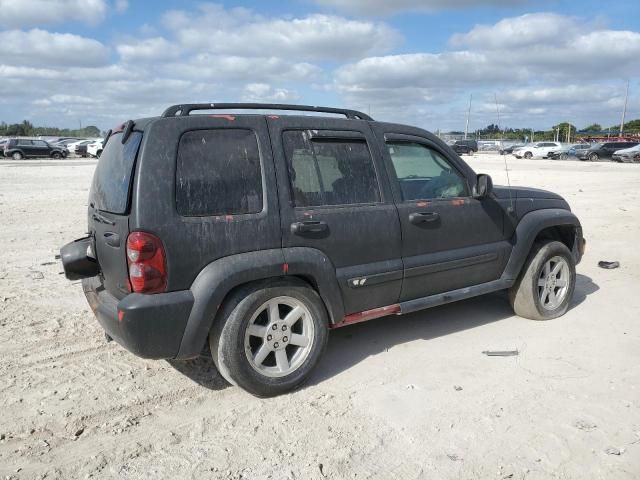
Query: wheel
[
  {"x": 269, "y": 336},
  {"x": 593, "y": 157},
  {"x": 528, "y": 155},
  {"x": 564, "y": 156},
  {"x": 56, "y": 155},
  {"x": 545, "y": 286},
  {"x": 16, "y": 156}
]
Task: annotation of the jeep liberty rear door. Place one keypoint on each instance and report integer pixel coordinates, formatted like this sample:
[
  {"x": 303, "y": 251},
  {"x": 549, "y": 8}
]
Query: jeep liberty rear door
[{"x": 335, "y": 198}]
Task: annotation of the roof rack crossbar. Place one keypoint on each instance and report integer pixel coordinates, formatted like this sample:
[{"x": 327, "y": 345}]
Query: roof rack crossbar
[{"x": 185, "y": 109}]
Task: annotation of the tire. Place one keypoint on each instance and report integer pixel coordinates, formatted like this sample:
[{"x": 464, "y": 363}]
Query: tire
[
  {"x": 16, "y": 156},
  {"x": 564, "y": 156},
  {"x": 528, "y": 155},
  {"x": 593, "y": 157},
  {"x": 245, "y": 327},
  {"x": 56, "y": 155},
  {"x": 527, "y": 294}
]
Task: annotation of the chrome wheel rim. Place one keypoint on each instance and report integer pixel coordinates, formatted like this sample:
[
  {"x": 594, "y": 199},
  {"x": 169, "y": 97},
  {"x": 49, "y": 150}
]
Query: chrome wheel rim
[
  {"x": 279, "y": 337},
  {"x": 553, "y": 282}
]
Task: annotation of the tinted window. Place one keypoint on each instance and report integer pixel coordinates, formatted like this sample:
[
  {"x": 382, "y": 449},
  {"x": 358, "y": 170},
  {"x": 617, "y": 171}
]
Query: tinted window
[
  {"x": 25, "y": 143},
  {"x": 330, "y": 171},
  {"x": 218, "y": 173},
  {"x": 112, "y": 178},
  {"x": 424, "y": 173},
  {"x": 39, "y": 143}
]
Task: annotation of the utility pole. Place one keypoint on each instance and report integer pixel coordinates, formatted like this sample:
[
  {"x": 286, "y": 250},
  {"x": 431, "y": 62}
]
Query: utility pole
[
  {"x": 466, "y": 127},
  {"x": 624, "y": 109},
  {"x": 532, "y": 135}
]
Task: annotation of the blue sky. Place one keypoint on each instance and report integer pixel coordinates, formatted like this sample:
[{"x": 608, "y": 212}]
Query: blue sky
[{"x": 99, "y": 62}]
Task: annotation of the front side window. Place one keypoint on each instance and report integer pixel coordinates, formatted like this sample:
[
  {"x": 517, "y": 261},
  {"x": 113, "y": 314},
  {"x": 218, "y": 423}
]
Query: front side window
[
  {"x": 423, "y": 173},
  {"x": 329, "y": 171},
  {"x": 218, "y": 173}
]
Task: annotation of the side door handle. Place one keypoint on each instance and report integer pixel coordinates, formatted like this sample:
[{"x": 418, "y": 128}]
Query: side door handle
[
  {"x": 309, "y": 227},
  {"x": 423, "y": 217}
]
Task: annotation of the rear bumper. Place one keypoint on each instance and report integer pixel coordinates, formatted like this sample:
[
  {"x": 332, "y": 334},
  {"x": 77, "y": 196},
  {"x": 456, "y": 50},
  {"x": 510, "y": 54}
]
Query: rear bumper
[{"x": 150, "y": 326}]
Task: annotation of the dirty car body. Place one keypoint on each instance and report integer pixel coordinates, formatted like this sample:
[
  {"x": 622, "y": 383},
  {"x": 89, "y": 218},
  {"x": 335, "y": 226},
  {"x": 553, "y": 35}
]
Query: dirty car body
[{"x": 191, "y": 215}]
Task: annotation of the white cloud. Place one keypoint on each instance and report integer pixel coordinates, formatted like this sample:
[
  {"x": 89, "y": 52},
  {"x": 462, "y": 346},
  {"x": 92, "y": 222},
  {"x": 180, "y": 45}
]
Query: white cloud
[
  {"x": 45, "y": 49},
  {"x": 381, "y": 7},
  {"x": 121, "y": 6},
  {"x": 28, "y": 13},
  {"x": 148, "y": 49},
  {"x": 263, "y": 92},
  {"x": 240, "y": 32}
]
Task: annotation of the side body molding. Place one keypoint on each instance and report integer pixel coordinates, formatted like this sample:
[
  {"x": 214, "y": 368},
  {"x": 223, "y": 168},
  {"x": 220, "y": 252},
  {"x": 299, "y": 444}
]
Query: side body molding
[{"x": 527, "y": 230}]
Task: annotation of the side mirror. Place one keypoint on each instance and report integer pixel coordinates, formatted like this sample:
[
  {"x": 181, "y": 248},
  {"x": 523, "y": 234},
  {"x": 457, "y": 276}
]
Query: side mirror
[{"x": 484, "y": 186}]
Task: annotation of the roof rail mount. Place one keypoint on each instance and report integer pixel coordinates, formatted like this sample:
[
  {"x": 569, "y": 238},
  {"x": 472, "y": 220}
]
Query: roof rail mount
[{"x": 185, "y": 109}]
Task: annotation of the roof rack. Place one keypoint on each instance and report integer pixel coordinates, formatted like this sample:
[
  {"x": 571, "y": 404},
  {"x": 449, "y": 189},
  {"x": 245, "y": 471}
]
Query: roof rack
[{"x": 186, "y": 108}]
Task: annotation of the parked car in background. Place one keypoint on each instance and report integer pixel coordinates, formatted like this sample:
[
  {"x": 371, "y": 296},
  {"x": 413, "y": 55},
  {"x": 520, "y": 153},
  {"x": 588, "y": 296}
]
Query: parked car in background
[
  {"x": 578, "y": 147},
  {"x": 566, "y": 151},
  {"x": 627, "y": 155},
  {"x": 508, "y": 149},
  {"x": 64, "y": 142},
  {"x": 605, "y": 150},
  {"x": 19, "y": 148},
  {"x": 465, "y": 146},
  {"x": 538, "y": 150},
  {"x": 73, "y": 146},
  {"x": 2, "y": 144},
  {"x": 95, "y": 149}
]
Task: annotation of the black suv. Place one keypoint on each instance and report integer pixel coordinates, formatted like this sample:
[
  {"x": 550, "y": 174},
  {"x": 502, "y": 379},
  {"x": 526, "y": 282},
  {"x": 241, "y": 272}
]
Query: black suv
[
  {"x": 19, "y": 148},
  {"x": 465, "y": 146},
  {"x": 599, "y": 151},
  {"x": 260, "y": 233}
]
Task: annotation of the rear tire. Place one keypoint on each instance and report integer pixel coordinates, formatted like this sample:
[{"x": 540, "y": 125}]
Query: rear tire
[
  {"x": 546, "y": 283},
  {"x": 257, "y": 345},
  {"x": 594, "y": 157},
  {"x": 564, "y": 156},
  {"x": 56, "y": 155}
]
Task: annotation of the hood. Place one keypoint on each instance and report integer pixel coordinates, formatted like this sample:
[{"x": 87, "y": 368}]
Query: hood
[{"x": 525, "y": 192}]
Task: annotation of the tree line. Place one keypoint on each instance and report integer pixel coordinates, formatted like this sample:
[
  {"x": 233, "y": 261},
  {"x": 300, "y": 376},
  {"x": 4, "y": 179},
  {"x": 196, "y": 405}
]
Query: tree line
[
  {"x": 560, "y": 131},
  {"x": 26, "y": 129}
]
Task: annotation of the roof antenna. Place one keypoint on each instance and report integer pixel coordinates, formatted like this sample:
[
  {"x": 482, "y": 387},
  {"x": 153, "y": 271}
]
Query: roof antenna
[{"x": 510, "y": 210}]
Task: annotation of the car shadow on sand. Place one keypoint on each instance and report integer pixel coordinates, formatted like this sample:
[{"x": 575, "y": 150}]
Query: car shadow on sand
[{"x": 350, "y": 345}]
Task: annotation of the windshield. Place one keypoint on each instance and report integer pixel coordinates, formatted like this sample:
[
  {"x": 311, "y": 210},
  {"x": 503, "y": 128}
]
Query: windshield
[{"x": 112, "y": 178}]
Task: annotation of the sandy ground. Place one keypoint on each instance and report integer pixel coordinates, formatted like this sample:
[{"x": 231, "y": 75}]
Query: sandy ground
[{"x": 406, "y": 397}]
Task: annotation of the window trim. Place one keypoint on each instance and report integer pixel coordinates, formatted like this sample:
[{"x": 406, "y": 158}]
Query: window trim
[
  {"x": 336, "y": 136},
  {"x": 223, "y": 217},
  {"x": 393, "y": 177}
]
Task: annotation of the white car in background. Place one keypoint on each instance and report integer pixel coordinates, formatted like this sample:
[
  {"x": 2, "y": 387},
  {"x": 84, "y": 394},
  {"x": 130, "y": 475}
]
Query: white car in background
[
  {"x": 627, "y": 154},
  {"x": 95, "y": 149},
  {"x": 538, "y": 150},
  {"x": 71, "y": 147}
]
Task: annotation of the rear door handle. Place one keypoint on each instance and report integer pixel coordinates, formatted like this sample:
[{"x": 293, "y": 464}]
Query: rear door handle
[
  {"x": 309, "y": 226},
  {"x": 423, "y": 217}
]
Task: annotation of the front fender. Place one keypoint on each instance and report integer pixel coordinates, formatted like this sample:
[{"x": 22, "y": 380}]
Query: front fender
[{"x": 527, "y": 230}]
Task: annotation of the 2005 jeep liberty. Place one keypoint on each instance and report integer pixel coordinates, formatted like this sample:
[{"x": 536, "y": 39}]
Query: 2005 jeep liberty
[{"x": 260, "y": 233}]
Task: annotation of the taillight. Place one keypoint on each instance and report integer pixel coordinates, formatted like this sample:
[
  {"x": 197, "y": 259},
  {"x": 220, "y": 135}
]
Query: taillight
[{"x": 147, "y": 265}]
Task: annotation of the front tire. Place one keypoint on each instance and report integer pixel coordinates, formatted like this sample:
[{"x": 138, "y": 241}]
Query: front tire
[
  {"x": 564, "y": 156},
  {"x": 594, "y": 157},
  {"x": 16, "y": 156},
  {"x": 528, "y": 155},
  {"x": 269, "y": 336},
  {"x": 546, "y": 284},
  {"x": 56, "y": 155}
]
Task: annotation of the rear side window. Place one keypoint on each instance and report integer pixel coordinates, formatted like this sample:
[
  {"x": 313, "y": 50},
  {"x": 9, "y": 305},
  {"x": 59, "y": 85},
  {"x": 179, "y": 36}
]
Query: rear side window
[
  {"x": 218, "y": 173},
  {"x": 112, "y": 178},
  {"x": 329, "y": 171}
]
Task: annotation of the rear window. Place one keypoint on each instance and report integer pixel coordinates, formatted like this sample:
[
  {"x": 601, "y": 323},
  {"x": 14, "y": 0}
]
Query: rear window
[
  {"x": 112, "y": 179},
  {"x": 218, "y": 173}
]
